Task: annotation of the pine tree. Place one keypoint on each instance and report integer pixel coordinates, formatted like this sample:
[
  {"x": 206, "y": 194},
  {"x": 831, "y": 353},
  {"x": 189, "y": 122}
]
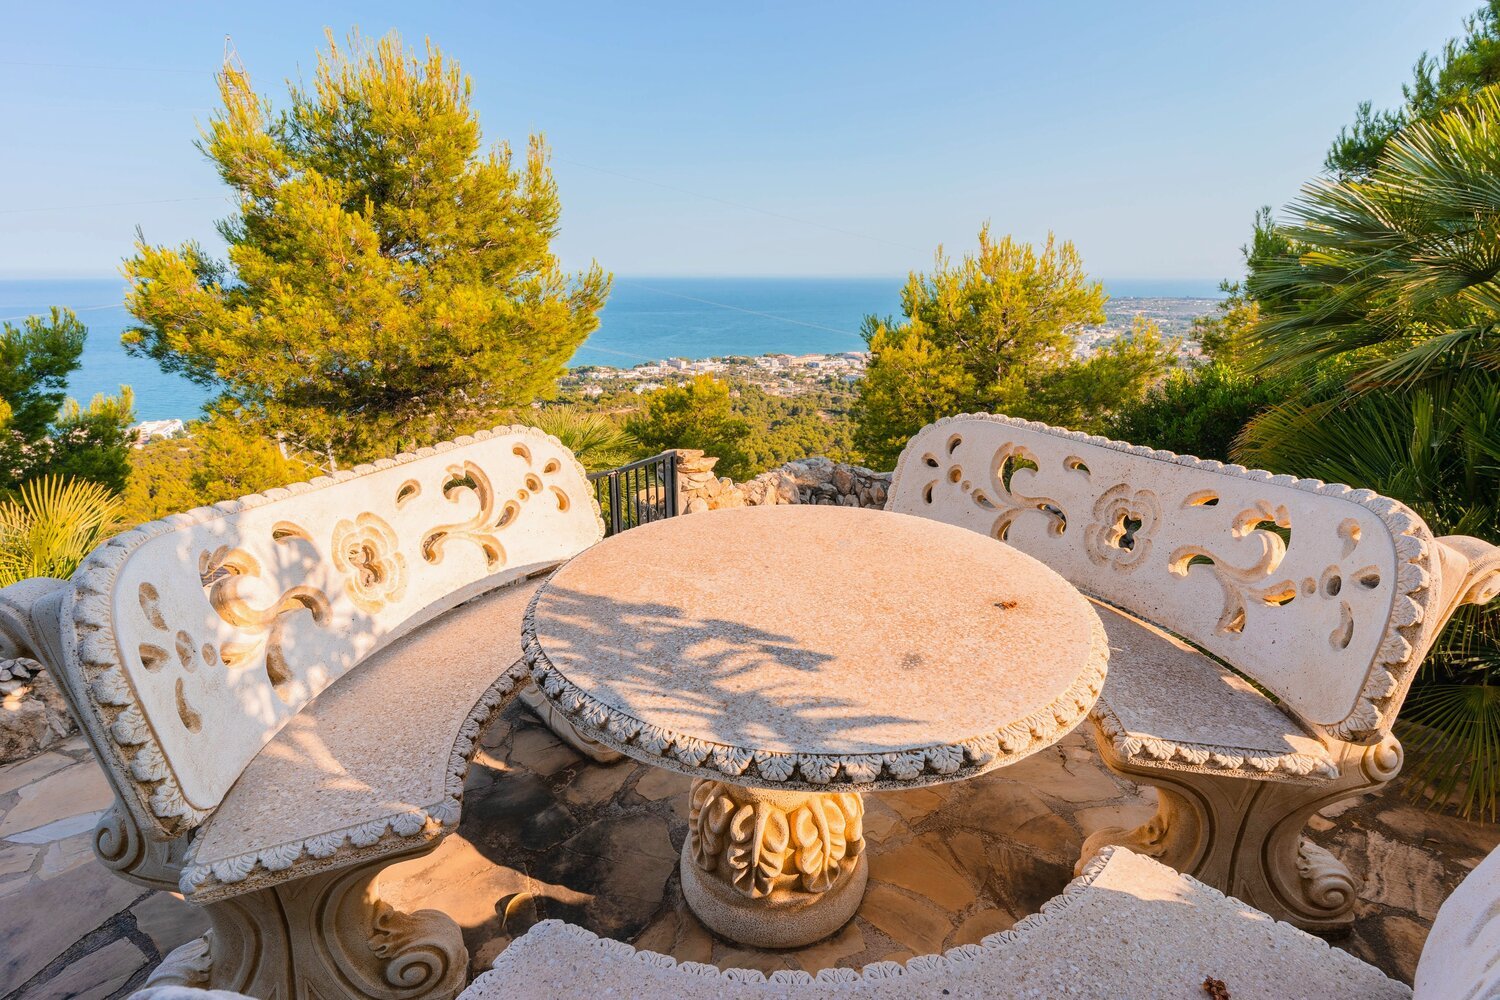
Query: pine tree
[{"x": 388, "y": 283}]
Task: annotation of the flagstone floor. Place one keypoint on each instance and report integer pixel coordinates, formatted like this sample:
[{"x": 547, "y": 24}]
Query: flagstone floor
[{"x": 546, "y": 833}]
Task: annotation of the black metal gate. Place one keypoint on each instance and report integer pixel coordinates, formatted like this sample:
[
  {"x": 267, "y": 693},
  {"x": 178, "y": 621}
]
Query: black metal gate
[{"x": 636, "y": 493}]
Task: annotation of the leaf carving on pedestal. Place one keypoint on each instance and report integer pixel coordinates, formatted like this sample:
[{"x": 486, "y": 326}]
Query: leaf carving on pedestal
[{"x": 759, "y": 843}]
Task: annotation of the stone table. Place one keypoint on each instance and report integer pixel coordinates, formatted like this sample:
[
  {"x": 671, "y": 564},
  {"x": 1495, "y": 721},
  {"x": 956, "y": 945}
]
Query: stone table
[{"x": 790, "y": 658}]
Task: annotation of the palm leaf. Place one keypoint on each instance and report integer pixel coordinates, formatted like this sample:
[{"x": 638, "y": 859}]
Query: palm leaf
[{"x": 51, "y": 525}]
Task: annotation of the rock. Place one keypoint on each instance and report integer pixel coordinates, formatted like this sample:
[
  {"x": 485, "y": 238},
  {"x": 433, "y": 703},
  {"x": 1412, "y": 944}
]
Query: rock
[
  {"x": 843, "y": 479},
  {"x": 73, "y": 791},
  {"x": 914, "y": 923},
  {"x": 979, "y": 926},
  {"x": 66, "y": 854},
  {"x": 657, "y": 784},
  {"x": 619, "y": 866},
  {"x": 921, "y": 867},
  {"x": 830, "y": 951},
  {"x": 10, "y": 687},
  {"x": 23, "y": 773},
  {"x": 697, "y": 505},
  {"x": 16, "y": 858},
  {"x": 33, "y": 716}
]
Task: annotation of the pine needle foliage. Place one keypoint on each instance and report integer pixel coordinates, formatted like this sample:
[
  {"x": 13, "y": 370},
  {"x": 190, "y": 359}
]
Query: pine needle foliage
[{"x": 389, "y": 279}]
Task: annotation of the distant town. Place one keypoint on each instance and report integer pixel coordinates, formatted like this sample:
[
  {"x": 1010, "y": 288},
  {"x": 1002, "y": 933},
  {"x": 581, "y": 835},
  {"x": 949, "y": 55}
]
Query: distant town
[{"x": 794, "y": 374}]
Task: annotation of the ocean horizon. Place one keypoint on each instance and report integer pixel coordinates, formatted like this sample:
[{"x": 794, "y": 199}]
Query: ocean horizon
[{"x": 646, "y": 319}]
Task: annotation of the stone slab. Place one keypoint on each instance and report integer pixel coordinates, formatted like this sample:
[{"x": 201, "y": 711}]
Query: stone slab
[
  {"x": 24, "y": 772},
  {"x": 96, "y": 974},
  {"x": 53, "y": 915},
  {"x": 758, "y": 646},
  {"x": 71, "y": 791}
]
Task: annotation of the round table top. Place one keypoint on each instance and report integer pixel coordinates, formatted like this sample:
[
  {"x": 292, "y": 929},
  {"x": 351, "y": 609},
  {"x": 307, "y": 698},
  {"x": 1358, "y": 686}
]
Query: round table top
[{"x": 800, "y": 646}]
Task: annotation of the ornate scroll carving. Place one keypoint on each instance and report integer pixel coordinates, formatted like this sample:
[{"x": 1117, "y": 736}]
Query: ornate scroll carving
[
  {"x": 479, "y": 529},
  {"x": 1221, "y": 569},
  {"x": 221, "y": 571},
  {"x": 493, "y": 516},
  {"x": 765, "y": 843},
  {"x": 1240, "y": 584},
  {"x": 122, "y": 848},
  {"x": 330, "y": 934},
  {"x": 1243, "y": 833}
]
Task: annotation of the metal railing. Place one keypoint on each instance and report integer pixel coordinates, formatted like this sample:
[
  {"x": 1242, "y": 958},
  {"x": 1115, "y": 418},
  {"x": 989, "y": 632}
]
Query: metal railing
[{"x": 636, "y": 493}]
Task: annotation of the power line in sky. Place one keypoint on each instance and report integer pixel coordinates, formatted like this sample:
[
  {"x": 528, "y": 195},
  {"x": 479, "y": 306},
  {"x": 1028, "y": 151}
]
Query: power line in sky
[{"x": 111, "y": 204}]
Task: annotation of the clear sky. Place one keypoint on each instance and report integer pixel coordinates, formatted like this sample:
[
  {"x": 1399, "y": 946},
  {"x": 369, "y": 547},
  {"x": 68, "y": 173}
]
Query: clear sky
[{"x": 752, "y": 138}]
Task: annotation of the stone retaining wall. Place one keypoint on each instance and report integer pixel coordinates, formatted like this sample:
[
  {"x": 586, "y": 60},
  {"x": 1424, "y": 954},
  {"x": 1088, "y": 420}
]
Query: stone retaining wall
[{"x": 807, "y": 480}]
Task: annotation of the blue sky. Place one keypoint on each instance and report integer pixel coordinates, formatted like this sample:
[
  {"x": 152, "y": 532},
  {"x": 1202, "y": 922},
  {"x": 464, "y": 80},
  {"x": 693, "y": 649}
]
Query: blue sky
[{"x": 762, "y": 138}]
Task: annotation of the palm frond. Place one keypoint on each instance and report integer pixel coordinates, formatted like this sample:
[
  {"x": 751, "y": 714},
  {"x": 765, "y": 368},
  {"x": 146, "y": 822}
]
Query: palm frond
[
  {"x": 596, "y": 440},
  {"x": 51, "y": 525}
]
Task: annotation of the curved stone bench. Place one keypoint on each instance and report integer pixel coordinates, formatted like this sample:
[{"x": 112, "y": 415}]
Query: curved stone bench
[
  {"x": 285, "y": 691},
  {"x": 1126, "y": 927},
  {"x": 1322, "y": 601}
]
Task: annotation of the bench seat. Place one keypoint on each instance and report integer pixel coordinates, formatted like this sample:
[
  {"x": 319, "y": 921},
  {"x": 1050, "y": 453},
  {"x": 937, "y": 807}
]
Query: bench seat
[
  {"x": 376, "y": 762},
  {"x": 1163, "y": 701},
  {"x": 1127, "y": 927}
]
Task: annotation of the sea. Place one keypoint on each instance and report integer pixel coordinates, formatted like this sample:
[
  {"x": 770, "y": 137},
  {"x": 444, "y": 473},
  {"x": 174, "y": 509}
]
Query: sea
[{"x": 646, "y": 319}]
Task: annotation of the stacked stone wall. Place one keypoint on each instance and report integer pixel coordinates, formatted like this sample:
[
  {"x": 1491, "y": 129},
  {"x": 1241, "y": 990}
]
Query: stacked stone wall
[{"x": 806, "y": 480}]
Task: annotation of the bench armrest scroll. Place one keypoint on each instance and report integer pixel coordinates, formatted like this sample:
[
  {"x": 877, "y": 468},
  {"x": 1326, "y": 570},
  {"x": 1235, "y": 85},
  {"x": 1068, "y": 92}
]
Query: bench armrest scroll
[
  {"x": 22, "y": 627},
  {"x": 1470, "y": 572}
]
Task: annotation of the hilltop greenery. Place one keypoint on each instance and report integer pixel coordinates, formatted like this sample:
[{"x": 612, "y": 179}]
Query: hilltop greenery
[
  {"x": 1439, "y": 84},
  {"x": 42, "y": 432},
  {"x": 996, "y": 332}
]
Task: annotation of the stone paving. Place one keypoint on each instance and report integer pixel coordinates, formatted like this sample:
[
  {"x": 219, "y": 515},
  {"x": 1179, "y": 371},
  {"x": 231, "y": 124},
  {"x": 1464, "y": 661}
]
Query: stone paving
[{"x": 546, "y": 833}]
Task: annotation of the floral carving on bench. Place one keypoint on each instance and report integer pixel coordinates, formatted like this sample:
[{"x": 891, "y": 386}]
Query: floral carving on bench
[
  {"x": 366, "y": 550},
  {"x": 1125, "y": 520}
]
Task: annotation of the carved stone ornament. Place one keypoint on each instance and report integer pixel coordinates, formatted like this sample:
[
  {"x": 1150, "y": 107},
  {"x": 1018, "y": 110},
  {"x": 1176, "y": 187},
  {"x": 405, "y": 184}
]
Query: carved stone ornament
[
  {"x": 762, "y": 846},
  {"x": 1247, "y": 565},
  {"x": 284, "y": 592},
  {"x": 773, "y": 869},
  {"x": 366, "y": 551}
]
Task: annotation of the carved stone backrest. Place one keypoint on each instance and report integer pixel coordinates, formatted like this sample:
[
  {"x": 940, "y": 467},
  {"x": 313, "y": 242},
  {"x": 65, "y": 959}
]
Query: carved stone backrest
[
  {"x": 1318, "y": 592},
  {"x": 1461, "y": 959},
  {"x": 188, "y": 642}
]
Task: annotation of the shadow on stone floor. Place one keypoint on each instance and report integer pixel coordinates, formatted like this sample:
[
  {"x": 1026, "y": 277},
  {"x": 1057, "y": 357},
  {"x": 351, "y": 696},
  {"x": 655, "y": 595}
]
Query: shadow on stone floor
[{"x": 546, "y": 833}]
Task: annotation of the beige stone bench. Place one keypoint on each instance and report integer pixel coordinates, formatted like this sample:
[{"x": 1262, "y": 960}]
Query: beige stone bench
[
  {"x": 285, "y": 691},
  {"x": 1126, "y": 927},
  {"x": 1323, "y": 599}
]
